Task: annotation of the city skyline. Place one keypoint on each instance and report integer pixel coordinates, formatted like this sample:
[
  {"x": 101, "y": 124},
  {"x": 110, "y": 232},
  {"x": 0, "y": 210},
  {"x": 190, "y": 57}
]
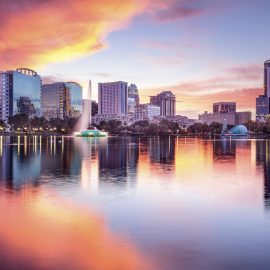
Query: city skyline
[{"x": 156, "y": 46}]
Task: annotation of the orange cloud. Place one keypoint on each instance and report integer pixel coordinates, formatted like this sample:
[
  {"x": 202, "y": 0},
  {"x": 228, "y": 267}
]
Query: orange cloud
[
  {"x": 238, "y": 84},
  {"x": 34, "y": 33}
]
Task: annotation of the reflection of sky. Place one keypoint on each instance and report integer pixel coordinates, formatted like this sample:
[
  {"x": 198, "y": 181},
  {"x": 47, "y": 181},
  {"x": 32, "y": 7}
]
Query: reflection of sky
[{"x": 194, "y": 203}]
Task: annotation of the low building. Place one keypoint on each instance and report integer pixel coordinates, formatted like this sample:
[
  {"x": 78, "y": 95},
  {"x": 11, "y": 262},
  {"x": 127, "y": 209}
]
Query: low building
[
  {"x": 209, "y": 118},
  {"x": 242, "y": 117},
  {"x": 224, "y": 107},
  {"x": 225, "y": 111},
  {"x": 146, "y": 112},
  {"x": 262, "y": 107}
]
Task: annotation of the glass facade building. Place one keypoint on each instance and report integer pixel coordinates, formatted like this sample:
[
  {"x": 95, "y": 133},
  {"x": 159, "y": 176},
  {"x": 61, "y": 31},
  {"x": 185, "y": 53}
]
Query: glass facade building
[
  {"x": 75, "y": 91},
  {"x": 61, "y": 100},
  {"x": 14, "y": 85}
]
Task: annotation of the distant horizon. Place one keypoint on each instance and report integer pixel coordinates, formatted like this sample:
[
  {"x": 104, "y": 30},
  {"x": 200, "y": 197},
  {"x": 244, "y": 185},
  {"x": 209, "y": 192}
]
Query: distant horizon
[{"x": 202, "y": 51}]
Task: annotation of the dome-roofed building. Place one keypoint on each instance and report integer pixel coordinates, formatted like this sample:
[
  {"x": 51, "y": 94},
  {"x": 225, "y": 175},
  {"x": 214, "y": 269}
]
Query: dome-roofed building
[{"x": 238, "y": 130}]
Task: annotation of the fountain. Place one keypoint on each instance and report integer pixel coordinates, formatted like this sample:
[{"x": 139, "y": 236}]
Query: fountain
[{"x": 84, "y": 125}]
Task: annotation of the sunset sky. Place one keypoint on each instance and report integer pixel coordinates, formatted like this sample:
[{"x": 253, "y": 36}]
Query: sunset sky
[{"x": 202, "y": 50}]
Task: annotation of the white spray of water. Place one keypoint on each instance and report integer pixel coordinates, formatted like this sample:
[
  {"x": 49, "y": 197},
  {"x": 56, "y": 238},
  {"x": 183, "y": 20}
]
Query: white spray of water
[{"x": 86, "y": 118}]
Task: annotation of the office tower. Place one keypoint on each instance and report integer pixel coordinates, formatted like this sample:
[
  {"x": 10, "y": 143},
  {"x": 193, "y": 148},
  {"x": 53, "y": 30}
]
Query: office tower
[
  {"x": 75, "y": 91},
  {"x": 22, "y": 82},
  {"x": 134, "y": 94},
  {"x": 112, "y": 99},
  {"x": 263, "y": 101},
  {"x": 5, "y": 101},
  {"x": 55, "y": 100},
  {"x": 267, "y": 78},
  {"x": 131, "y": 106},
  {"x": 224, "y": 107},
  {"x": 166, "y": 102},
  {"x": 146, "y": 111},
  {"x": 26, "y": 106}
]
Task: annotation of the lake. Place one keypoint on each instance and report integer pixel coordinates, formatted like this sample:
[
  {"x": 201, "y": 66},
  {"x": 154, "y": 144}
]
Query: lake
[{"x": 160, "y": 203}]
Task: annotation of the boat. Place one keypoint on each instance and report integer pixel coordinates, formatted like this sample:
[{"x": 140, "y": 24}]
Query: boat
[{"x": 91, "y": 132}]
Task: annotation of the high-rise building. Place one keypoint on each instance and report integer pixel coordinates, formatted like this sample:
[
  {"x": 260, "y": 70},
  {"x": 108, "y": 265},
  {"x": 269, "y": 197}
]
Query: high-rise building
[
  {"x": 263, "y": 101},
  {"x": 131, "y": 106},
  {"x": 75, "y": 91},
  {"x": 26, "y": 106},
  {"x": 267, "y": 78},
  {"x": 166, "y": 101},
  {"x": 146, "y": 112},
  {"x": 55, "y": 100},
  {"x": 112, "y": 99},
  {"x": 61, "y": 100},
  {"x": 22, "y": 82},
  {"x": 133, "y": 93}
]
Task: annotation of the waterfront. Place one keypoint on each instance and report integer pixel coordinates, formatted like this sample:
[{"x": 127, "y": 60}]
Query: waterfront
[{"x": 134, "y": 203}]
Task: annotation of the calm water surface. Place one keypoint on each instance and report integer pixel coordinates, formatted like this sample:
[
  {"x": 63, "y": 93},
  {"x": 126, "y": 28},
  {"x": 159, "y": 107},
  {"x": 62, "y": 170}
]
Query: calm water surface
[{"x": 134, "y": 204}]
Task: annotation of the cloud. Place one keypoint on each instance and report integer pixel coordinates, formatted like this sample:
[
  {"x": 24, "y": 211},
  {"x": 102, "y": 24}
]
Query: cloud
[
  {"x": 239, "y": 84},
  {"x": 170, "y": 10},
  {"x": 34, "y": 33}
]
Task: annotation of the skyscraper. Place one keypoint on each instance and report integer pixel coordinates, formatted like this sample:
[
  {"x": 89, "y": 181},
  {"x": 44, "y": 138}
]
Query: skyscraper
[
  {"x": 133, "y": 93},
  {"x": 22, "y": 82},
  {"x": 55, "y": 100},
  {"x": 75, "y": 91},
  {"x": 26, "y": 106},
  {"x": 263, "y": 101},
  {"x": 61, "y": 100},
  {"x": 112, "y": 99},
  {"x": 267, "y": 78},
  {"x": 166, "y": 101}
]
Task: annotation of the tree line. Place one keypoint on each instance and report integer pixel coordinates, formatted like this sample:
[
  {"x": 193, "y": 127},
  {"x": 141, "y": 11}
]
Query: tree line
[{"x": 22, "y": 123}]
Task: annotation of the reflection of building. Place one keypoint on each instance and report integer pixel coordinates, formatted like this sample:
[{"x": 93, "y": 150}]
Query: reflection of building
[
  {"x": 25, "y": 106},
  {"x": 15, "y": 84},
  {"x": 118, "y": 161},
  {"x": 146, "y": 112},
  {"x": 75, "y": 91},
  {"x": 20, "y": 162},
  {"x": 55, "y": 100},
  {"x": 162, "y": 149},
  {"x": 263, "y": 158},
  {"x": 263, "y": 101},
  {"x": 225, "y": 111},
  {"x": 112, "y": 99},
  {"x": 166, "y": 101},
  {"x": 224, "y": 150},
  {"x": 113, "y": 160}
]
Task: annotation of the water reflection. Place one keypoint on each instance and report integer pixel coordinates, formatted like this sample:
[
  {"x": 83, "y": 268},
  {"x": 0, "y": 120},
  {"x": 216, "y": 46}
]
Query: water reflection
[
  {"x": 54, "y": 234},
  {"x": 179, "y": 203},
  {"x": 263, "y": 158}
]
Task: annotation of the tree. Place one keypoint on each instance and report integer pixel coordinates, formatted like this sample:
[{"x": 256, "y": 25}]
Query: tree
[{"x": 19, "y": 121}]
